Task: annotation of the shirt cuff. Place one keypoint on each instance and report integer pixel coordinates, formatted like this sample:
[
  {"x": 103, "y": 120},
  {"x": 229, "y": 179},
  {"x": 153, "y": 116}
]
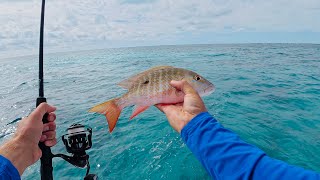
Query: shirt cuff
[
  {"x": 190, "y": 127},
  {"x": 7, "y": 169}
]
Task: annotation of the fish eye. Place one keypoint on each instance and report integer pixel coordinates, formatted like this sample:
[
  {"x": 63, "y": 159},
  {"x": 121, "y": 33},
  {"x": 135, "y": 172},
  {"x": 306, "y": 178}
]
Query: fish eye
[{"x": 197, "y": 77}]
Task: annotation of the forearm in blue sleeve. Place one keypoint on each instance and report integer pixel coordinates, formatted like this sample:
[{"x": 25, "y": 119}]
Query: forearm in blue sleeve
[
  {"x": 225, "y": 156},
  {"x": 7, "y": 170}
]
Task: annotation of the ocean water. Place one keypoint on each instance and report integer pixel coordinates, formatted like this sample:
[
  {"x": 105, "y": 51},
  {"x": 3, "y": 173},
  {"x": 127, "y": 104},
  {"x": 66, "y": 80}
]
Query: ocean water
[{"x": 269, "y": 94}]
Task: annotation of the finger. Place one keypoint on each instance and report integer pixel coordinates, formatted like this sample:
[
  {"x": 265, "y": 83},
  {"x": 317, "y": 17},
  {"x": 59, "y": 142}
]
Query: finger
[
  {"x": 183, "y": 86},
  {"x": 51, "y": 126},
  {"x": 49, "y": 135},
  {"x": 160, "y": 107},
  {"x": 39, "y": 112},
  {"x": 179, "y": 104},
  {"x": 165, "y": 108},
  {"x": 38, "y": 154},
  {"x": 51, "y": 142},
  {"x": 43, "y": 138},
  {"x": 51, "y": 117}
]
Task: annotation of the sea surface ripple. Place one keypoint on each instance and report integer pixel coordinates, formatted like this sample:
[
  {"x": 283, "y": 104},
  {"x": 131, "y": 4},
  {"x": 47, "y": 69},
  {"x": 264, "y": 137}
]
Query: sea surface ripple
[{"x": 269, "y": 94}]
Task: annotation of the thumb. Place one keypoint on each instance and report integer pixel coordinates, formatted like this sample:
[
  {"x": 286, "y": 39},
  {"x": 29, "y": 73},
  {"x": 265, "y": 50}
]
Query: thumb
[
  {"x": 37, "y": 154},
  {"x": 183, "y": 86},
  {"x": 41, "y": 110}
]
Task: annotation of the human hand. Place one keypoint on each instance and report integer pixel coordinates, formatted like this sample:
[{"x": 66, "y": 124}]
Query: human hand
[
  {"x": 32, "y": 130},
  {"x": 180, "y": 114},
  {"x": 23, "y": 150}
]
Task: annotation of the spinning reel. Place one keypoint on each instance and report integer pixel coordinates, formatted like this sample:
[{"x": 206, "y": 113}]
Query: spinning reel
[{"x": 77, "y": 140}]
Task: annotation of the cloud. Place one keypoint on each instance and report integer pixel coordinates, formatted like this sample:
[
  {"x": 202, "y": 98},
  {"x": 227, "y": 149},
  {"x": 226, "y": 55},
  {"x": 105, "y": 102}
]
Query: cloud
[
  {"x": 144, "y": 22},
  {"x": 136, "y": 1}
]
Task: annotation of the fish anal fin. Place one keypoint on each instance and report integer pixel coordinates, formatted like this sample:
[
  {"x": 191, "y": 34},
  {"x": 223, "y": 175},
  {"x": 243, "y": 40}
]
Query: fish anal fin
[{"x": 138, "y": 110}]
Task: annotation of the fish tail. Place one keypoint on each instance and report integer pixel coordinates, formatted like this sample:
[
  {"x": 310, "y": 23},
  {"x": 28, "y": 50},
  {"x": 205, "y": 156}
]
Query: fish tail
[{"x": 111, "y": 110}]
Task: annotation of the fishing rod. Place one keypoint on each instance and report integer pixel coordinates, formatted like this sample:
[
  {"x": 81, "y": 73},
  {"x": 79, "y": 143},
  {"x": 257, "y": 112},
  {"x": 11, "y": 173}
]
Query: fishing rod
[
  {"x": 46, "y": 160},
  {"x": 78, "y": 137}
]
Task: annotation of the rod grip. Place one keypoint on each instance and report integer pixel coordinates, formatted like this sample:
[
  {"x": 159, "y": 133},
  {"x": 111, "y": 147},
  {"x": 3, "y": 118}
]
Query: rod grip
[{"x": 46, "y": 158}]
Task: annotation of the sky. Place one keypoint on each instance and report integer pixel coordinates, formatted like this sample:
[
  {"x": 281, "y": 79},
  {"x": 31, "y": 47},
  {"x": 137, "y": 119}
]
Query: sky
[{"x": 96, "y": 24}]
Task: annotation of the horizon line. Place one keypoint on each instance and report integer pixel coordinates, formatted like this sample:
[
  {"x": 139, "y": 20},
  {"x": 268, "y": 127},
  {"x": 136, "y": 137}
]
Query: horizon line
[{"x": 160, "y": 45}]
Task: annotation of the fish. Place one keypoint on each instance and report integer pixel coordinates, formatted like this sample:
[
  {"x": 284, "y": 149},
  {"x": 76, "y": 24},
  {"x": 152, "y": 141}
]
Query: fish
[{"x": 151, "y": 87}]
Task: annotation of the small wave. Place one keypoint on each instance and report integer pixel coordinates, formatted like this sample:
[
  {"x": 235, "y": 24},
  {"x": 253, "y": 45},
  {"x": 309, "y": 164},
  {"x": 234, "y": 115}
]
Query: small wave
[
  {"x": 24, "y": 83},
  {"x": 216, "y": 55},
  {"x": 245, "y": 92},
  {"x": 14, "y": 121},
  {"x": 282, "y": 54},
  {"x": 7, "y": 131},
  {"x": 264, "y": 85}
]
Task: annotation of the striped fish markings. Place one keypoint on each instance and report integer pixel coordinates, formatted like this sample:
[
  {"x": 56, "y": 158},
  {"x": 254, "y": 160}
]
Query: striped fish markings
[{"x": 149, "y": 88}]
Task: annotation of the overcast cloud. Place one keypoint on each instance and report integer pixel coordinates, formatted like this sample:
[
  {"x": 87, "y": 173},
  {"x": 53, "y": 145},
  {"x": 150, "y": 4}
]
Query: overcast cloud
[{"x": 85, "y": 24}]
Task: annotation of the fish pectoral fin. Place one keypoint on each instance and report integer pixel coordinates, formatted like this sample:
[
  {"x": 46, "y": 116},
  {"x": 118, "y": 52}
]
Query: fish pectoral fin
[{"x": 138, "y": 110}]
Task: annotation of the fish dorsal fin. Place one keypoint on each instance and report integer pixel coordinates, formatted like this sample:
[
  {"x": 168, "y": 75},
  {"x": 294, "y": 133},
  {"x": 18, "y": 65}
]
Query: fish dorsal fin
[{"x": 127, "y": 83}]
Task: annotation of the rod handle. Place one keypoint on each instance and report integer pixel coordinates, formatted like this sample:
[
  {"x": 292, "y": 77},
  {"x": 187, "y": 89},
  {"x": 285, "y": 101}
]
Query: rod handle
[{"x": 46, "y": 158}]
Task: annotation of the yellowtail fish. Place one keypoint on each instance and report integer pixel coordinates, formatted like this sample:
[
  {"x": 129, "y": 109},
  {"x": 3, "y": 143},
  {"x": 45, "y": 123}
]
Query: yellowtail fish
[{"x": 149, "y": 88}]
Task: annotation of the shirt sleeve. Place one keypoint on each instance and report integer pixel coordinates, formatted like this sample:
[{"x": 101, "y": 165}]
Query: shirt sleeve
[
  {"x": 7, "y": 170},
  {"x": 225, "y": 156}
]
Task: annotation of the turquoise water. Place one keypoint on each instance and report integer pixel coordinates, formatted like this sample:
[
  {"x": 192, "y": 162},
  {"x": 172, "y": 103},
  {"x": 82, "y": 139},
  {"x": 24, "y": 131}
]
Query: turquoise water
[{"x": 267, "y": 93}]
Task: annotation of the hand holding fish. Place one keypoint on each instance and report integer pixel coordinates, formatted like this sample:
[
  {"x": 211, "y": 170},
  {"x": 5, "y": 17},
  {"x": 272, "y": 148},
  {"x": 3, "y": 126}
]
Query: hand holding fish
[
  {"x": 152, "y": 87},
  {"x": 180, "y": 114}
]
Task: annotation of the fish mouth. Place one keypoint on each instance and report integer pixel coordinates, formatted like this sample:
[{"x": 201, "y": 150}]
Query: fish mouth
[{"x": 210, "y": 89}]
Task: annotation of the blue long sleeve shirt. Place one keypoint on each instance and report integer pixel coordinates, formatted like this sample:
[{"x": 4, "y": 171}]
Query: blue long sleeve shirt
[
  {"x": 7, "y": 170},
  {"x": 225, "y": 156}
]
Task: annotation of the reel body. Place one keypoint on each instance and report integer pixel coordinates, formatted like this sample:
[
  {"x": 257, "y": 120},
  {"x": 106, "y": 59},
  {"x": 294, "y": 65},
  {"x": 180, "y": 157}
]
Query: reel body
[{"x": 77, "y": 140}]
